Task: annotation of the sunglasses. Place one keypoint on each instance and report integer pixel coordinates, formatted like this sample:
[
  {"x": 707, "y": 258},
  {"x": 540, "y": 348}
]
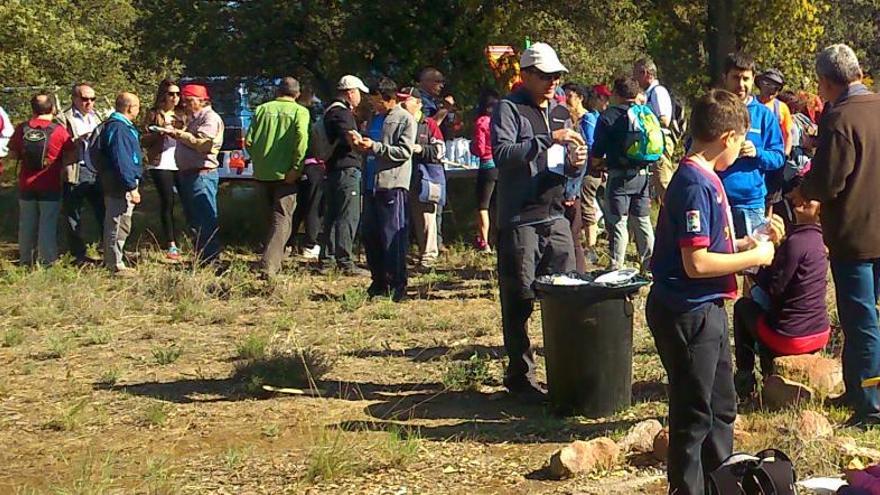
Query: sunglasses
[
  {"x": 554, "y": 76},
  {"x": 173, "y": 93},
  {"x": 83, "y": 98}
]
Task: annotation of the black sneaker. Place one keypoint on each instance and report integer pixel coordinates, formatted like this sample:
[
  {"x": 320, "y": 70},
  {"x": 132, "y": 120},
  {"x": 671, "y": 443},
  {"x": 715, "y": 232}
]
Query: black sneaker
[
  {"x": 376, "y": 291},
  {"x": 398, "y": 295},
  {"x": 530, "y": 394}
]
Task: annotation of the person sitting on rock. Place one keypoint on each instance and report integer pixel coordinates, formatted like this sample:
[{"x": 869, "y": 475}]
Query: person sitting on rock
[{"x": 786, "y": 314}]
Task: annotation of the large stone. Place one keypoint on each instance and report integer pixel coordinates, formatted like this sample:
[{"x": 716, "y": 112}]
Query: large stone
[
  {"x": 812, "y": 425},
  {"x": 824, "y": 375},
  {"x": 584, "y": 457},
  {"x": 640, "y": 438},
  {"x": 780, "y": 392},
  {"x": 661, "y": 445}
]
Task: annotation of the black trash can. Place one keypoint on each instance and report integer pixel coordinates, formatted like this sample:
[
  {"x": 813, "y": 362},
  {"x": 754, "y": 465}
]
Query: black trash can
[{"x": 588, "y": 342}]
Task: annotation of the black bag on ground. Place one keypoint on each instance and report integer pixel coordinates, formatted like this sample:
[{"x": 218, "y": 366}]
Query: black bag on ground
[{"x": 769, "y": 472}]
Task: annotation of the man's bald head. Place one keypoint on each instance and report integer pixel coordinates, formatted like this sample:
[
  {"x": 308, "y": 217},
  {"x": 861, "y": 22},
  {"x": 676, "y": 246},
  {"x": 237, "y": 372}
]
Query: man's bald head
[
  {"x": 42, "y": 104},
  {"x": 128, "y": 104}
]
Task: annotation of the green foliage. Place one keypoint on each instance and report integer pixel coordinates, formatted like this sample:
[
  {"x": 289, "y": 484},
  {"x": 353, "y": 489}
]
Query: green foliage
[
  {"x": 467, "y": 375},
  {"x": 166, "y": 355},
  {"x": 13, "y": 337},
  {"x": 252, "y": 346},
  {"x": 52, "y": 43}
]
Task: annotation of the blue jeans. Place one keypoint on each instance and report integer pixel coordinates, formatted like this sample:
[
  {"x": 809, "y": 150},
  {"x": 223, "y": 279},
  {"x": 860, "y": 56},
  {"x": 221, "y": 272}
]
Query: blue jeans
[
  {"x": 746, "y": 219},
  {"x": 198, "y": 195},
  {"x": 857, "y": 285}
]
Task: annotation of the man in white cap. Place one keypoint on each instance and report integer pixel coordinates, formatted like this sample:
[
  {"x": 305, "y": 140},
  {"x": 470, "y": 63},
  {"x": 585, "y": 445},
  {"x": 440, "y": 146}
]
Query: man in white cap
[
  {"x": 536, "y": 149},
  {"x": 343, "y": 186}
]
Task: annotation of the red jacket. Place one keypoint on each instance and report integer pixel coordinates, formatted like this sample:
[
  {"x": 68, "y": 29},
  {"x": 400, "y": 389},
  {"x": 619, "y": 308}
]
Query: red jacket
[{"x": 481, "y": 145}]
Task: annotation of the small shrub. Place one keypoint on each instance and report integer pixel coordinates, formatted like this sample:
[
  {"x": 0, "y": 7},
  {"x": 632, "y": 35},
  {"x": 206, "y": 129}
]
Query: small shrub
[
  {"x": 271, "y": 430},
  {"x": 467, "y": 375},
  {"x": 252, "y": 346},
  {"x": 233, "y": 457},
  {"x": 57, "y": 346},
  {"x": 166, "y": 355},
  {"x": 400, "y": 446},
  {"x": 109, "y": 377},
  {"x": 297, "y": 368},
  {"x": 97, "y": 336},
  {"x": 155, "y": 414},
  {"x": 353, "y": 299},
  {"x": 68, "y": 419},
  {"x": 385, "y": 310},
  {"x": 13, "y": 337},
  {"x": 330, "y": 456}
]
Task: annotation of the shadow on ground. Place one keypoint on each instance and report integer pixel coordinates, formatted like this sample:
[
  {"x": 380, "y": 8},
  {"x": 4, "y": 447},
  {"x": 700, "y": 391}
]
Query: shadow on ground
[{"x": 464, "y": 415}]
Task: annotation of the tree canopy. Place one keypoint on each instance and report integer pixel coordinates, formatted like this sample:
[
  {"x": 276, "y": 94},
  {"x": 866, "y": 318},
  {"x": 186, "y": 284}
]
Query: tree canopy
[{"x": 133, "y": 43}]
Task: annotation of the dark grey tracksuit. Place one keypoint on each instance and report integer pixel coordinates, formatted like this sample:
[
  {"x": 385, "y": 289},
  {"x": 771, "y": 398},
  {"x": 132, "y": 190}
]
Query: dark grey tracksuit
[
  {"x": 534, "y": 237},
  {"x": 342, "y": 190}
]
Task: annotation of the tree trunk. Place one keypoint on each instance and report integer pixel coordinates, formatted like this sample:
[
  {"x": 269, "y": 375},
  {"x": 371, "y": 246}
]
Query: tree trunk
[{"x": 720, "y": 35}]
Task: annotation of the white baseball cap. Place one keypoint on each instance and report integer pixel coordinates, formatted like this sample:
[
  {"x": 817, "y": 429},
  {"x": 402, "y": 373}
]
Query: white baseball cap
[
  {"x": 542, "y": 57},
  {"x": 352, "y": 82}
]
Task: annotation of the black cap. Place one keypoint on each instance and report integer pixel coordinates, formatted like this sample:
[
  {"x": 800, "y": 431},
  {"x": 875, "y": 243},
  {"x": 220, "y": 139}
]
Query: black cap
[{"x": 774, "y": 76}]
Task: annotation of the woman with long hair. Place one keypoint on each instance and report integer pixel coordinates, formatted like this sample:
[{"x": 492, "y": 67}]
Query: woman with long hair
[
  {"x": 165, "y": 112},
  {"x": 487, "y": 175}
]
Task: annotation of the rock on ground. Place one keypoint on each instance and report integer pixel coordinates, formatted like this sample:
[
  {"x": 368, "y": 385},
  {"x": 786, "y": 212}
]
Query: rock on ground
[
  {"x": 640, "y": 438},
  {"x": 824, "y": 375},
  {"x": 780, "y": 392},
  {"x": 661, "y": 445},
  {"x": 812, "y": 425},
  {"x": 584, "y": 457}
]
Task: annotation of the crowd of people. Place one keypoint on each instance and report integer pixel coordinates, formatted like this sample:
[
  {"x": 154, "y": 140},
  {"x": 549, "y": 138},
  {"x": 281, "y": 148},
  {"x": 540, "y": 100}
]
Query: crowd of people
[{"x": 771, "y": 186}]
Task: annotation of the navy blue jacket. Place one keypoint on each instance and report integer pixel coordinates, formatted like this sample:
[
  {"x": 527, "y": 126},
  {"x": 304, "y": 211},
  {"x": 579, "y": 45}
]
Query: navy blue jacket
[
  {"x": 528, "y": 193},
  {"x": 121, "y": 149}
]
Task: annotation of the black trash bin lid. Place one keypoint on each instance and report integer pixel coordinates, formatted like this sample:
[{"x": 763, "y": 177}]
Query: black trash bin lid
[{"x": 595, "y": 285}]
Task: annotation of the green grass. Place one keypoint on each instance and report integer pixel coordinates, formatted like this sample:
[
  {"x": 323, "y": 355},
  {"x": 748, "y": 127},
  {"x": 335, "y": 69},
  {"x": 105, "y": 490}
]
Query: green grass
[
  {"x": 13, "y": 337},
  {"x": 155, "y": 414},
  {"x": 353, "y": 299},
  {"x": 252, "y": 346},
  {"x": 68, "y": 418},
  {"x": 97, "y": 336},
  {"x": 109, "y": 376},
  {"x": 166, "y": 355},
  {"x": 468, "y": 375},
  {"x": 58, "y": 345}
]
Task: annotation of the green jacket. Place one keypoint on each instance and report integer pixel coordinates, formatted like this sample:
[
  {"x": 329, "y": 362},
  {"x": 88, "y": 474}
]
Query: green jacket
[{"x": 278, "y": 138}]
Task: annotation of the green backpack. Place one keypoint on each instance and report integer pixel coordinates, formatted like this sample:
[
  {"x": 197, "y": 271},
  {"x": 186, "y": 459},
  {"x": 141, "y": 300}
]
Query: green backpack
[{"x": 644, "y": 143}]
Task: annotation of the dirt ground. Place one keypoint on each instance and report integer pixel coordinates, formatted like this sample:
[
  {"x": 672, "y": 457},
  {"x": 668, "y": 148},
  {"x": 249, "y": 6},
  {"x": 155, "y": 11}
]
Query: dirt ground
[{"x": 141, "y": 385}]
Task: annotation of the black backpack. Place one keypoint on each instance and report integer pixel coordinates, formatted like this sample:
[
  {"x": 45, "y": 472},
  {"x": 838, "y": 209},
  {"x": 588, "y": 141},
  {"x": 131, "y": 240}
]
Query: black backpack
[
  {"x": 35, "y": 145},
  {"x": 769, "y": 472}
]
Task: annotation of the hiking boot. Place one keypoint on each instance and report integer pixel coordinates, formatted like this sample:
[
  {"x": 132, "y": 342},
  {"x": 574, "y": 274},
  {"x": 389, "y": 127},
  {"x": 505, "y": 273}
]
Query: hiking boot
[{"x": 312, "y": 253}]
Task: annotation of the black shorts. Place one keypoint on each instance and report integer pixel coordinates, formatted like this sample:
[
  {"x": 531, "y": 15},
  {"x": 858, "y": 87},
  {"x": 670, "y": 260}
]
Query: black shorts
[{"x": 486, "y": 179}]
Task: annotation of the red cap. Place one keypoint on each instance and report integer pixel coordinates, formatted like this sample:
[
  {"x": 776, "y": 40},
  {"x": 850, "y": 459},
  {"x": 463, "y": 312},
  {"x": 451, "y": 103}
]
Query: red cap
[
  {"x": 196, "y": 90},
  {"x": 602, "y": 90}
]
